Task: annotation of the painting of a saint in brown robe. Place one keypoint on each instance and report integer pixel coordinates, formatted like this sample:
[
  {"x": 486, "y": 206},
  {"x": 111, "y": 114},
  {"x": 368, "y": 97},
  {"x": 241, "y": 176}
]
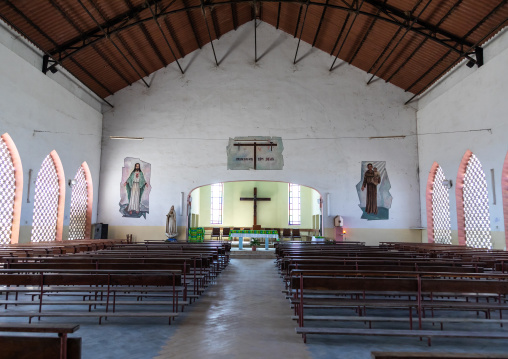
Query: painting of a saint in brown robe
[
  {"x": 373, "y": 190},
  {"x": 371, "y": 179}
]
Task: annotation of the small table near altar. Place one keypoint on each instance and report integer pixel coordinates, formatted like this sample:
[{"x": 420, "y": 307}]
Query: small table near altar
[{"x": 266, "y": 234}]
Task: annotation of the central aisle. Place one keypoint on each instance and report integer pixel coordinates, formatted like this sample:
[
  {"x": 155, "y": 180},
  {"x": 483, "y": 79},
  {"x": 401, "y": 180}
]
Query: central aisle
[{"x": 244, "y": 315}]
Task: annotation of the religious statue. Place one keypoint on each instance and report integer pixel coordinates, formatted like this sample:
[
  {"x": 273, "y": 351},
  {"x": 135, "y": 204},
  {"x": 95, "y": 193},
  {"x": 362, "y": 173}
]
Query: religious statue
[
  {"x": 171, "y": 230},
  {"x": 371, "y": 179},
  {"x": 135, "y": 186}
]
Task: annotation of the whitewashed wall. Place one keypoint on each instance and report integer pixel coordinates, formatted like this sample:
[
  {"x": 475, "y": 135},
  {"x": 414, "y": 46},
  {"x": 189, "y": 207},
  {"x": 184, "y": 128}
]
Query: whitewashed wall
[
  {"x": 467, "y": 101},
  {"x": 324, "y": 119},
  {"x": 31, "y": 102}
]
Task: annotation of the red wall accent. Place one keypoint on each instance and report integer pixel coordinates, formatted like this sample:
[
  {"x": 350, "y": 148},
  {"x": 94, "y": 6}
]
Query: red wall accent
[
  {"x": 428, "y": 200},
  {"x": 504, "y": 190},
  {"x": 18, "y": 192},
  {"x": 459, "y": 197},
  {"x": 61, "y": 198},
  {"x": 88, "y": 178}
]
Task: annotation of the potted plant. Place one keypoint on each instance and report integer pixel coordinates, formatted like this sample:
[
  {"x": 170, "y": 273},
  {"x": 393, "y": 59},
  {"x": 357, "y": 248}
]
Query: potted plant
[{"x": 254, "y": 242}]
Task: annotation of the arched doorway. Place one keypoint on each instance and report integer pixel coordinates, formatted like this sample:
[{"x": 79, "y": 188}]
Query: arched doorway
[{"x": 279, "y": 205}]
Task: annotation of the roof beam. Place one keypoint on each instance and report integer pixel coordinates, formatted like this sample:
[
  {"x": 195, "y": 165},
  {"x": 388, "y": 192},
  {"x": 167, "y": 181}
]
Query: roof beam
[
  {"x": 348, "y": 31},
  {"x": 173, "y": 36},
  {"x": 112, "y": 42},
  {"x": 298, "y": 21},
  {"x": 473, "y": 47},
  {"x": 278, "y": 16},
  {"x": 448, "y": 13},
  {"x": 163, "y": 34},
  {"x": 145, "y": 32},
  {"x": 216, "y": 28},
  {"x": 234, "y": 15},
  {"x": 389, "y": 14},
  {"x": 340, "y": 33},
  {"x": 38, "y": 29},
  {"x": 320, "y": 22},
  {"x": 365, "y": 37},
  {"x": 208, "y": 29},
  {"x": 101, "y": 55},
  {"x": 415, "y": 19},
  {"x": 193, "y": 27},
  {"x": 301, "y": 32}
]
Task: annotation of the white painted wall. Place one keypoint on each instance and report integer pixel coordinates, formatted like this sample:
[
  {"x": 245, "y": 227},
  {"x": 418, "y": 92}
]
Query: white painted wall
[
  {"x": 30, "y": 102},
  {"x": 324, "y": 118},
  {"x": 466, "y": 101}
]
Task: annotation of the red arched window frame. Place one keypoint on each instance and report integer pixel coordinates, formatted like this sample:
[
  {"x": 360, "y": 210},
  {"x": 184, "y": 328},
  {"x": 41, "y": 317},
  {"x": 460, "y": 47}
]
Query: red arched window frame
[
  {"x": 428, "y": 200},
  {"x": 89, "y": 205},
  {"x": 459, "y": 197},
  {"x": 504, "y": 189},
  {"x": 18, "y": 192}
]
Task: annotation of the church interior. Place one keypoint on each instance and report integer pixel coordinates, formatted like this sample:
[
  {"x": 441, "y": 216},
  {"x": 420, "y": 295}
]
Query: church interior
[{"x": 149, "y": 146}]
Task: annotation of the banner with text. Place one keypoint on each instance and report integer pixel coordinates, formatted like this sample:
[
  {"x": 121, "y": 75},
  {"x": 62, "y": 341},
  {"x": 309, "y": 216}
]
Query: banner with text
[{"x": 255, "y": 153}]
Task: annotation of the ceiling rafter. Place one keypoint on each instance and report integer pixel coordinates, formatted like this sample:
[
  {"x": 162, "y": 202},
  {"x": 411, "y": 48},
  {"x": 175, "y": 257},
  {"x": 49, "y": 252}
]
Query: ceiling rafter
[
  {"x": 359, "y": 6},
  {"x": 234, "y": 15},
  {"x": 413, "y": 21},
  {"x": 419, "y": 46},
  {"x": 372, "y": 23},
  {"x": 163, "y": 34},
  {"x": 146, "y": 33},
  {"x": 187, "y": 9},
  {"x": 203, "y": 11},
  {"x": 320, "y": 23},
  {"x": 171, "y": 32},
  {"x": 38, "y": 29},
  {"x": 112, "y": 42},
  {"x": 124, "y": 21},
  {"x": 100, "y": 53},
  {"x": 473, "y": 46}
]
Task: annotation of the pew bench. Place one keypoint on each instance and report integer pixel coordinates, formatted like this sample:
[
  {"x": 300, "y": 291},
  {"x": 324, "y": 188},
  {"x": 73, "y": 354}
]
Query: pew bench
[
  {"x": 304, "y": 331},
  {"x": 26, "y": 347},
  {"x": 94, "y": 314},
  {"x": 370, "y": 319},
  {"x": 413, "y": 355}
]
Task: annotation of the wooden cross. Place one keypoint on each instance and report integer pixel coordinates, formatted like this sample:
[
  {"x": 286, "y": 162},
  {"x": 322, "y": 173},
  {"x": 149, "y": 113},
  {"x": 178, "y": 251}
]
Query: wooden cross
[
  {"x": 271, "y": 144},
  {"x": 255, "y": 199}
]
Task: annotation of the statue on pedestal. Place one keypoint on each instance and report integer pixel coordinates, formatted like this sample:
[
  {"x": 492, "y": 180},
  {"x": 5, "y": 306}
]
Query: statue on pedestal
[{"x": 171, "y": 229}]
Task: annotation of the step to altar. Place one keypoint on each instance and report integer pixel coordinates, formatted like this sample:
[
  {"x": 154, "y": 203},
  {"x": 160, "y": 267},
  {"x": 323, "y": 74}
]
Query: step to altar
[{"x": 248, "y": 253}]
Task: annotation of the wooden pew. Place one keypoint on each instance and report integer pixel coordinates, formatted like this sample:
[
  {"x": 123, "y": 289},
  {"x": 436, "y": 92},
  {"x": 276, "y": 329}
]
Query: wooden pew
[{"x": 37, "y": 347}]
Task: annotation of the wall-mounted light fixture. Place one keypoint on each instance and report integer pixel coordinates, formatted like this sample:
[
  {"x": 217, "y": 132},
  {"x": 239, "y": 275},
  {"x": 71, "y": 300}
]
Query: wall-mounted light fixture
[
  {"x": 447, "y": 183},
  {"x": 126, "y": 138},
  {"x": 72, "y": 182}
]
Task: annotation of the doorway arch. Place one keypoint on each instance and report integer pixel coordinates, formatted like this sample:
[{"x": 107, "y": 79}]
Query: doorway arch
[{"x": 240, "y": 214}]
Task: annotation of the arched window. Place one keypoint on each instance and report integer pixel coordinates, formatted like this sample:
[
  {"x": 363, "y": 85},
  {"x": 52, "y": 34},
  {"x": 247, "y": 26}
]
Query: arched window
[
  {"x": 473, "y": 217},
  {"x": 81, "y": 204},
  {"x": 504, "y": 190},
  {"x": 49, "y": 200},
  {"x": 438, "y": 207},
  {"x": 11, "y": 189}
]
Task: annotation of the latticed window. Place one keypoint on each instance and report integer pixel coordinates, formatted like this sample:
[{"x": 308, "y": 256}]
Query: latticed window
[
  {"x": 79, "y": 202},
  {"x": 476, "y": 206},
  {"x": 7, "y": 192},
  {"x": 294, "y": 204},
  {"x": 441, "y": 209},
  {"x": 217, "y": 198},
  {"x": 46, "y": 202}
]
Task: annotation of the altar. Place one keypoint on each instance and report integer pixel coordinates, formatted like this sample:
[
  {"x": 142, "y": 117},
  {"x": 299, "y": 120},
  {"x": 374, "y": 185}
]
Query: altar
[{"x": 240, "y": 234}]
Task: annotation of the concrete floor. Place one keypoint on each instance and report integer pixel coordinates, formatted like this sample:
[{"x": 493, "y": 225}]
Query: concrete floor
[{"x": 244, "y": 315}]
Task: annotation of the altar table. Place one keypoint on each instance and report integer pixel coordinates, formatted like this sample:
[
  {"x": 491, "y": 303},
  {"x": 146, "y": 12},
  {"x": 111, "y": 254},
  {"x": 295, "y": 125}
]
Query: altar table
[{"x": 266, "y": 234}]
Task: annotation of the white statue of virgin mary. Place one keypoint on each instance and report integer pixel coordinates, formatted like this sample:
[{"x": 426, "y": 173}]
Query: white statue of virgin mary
[{"x": 171, "y": 230}]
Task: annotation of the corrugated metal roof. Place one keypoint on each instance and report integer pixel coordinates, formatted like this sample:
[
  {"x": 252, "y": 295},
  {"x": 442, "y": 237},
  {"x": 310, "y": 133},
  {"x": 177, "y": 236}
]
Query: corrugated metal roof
[{"x": 410, "y": 43}]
